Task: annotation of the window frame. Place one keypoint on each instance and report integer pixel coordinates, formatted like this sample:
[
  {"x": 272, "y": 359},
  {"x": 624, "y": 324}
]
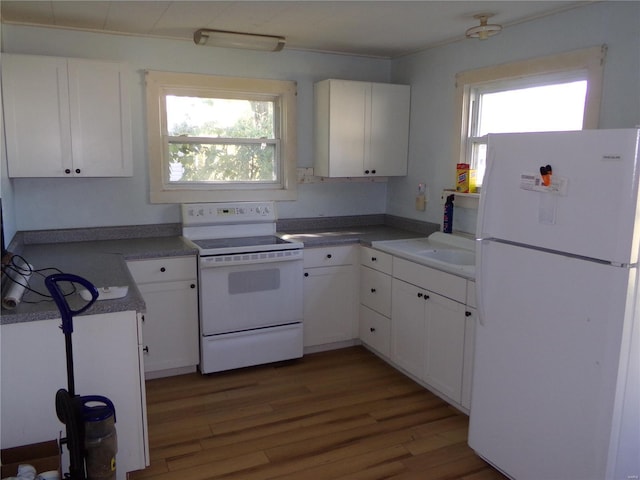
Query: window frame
[
  {"x": 282, "y": 92},
  {"x": 587, "y": 63}
]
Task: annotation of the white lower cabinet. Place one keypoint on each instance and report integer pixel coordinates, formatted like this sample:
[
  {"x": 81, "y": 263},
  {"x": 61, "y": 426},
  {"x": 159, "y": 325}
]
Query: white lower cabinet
[
  {"x": 408, "y": 327},
  {"x": 427, "y": 337},
  {"x": 106, "y": 362},
  {"x": 330, "y": 297},
  {"x": 170, "y": 323},
  {"x": 424, "y": 327},
  {"x": 467, "y": 368},
  {"x": 469, "y": 341},
  {"x": 375, "y": 300},
  {"x": 375, "y": 330},
  {"x": 444, "y": 345}
]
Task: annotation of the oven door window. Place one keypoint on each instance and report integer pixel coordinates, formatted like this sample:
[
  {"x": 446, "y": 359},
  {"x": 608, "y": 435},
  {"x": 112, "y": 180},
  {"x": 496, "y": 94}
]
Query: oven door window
[{"x": 254, "y": 281}]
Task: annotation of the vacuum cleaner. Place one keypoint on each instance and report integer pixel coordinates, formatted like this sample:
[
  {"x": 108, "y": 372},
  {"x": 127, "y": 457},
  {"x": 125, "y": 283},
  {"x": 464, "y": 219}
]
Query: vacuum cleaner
[{"x": 89, "y": 420}]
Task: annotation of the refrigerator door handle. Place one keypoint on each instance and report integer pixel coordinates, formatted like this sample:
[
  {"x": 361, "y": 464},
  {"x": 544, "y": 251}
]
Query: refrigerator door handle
[{"x": 480, "y": 243}]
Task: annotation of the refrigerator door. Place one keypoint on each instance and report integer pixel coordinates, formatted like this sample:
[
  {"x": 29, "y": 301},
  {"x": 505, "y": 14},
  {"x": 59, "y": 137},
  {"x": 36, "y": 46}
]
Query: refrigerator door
[
  {"x": 594, "y": 214},
  {"x": 546, "y": 362}
]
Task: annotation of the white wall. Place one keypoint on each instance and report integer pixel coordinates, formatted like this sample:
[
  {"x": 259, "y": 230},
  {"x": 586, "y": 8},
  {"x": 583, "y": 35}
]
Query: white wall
[
  {"x": 62, "y": 203},
  {"x": 431, "y": 74},
  {"x": 68, "y": 203}
]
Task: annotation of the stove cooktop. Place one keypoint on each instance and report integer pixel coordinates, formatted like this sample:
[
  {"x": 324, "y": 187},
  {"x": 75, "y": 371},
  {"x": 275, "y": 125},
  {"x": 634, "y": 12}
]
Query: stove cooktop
[
  {"x": 242, "y": 245},
  {"x": 240, "y": 242}
]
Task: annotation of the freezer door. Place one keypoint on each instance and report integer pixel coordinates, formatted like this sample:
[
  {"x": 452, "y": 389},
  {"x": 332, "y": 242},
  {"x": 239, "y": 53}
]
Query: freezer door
[
  {"x": 546, "y": 362},
  {"x": 595, "y": 215}
]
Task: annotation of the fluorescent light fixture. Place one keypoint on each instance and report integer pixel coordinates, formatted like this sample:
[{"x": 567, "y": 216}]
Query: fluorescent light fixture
[
  {"x": 250, "y": 41},
  {"x": 484, "y": 30}
]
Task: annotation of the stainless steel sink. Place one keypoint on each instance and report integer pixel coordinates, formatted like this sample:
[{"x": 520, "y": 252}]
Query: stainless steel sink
[{"x": 452, "y": 253}]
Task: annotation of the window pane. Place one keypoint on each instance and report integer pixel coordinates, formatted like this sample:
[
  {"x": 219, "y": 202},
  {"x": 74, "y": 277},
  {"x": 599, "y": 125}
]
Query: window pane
[
  {"x": 212, "y": 163},
  {"x": 479, "y": 160},
  {"x": 536, "y": 109},
  {"x": 219, "y": 117}
]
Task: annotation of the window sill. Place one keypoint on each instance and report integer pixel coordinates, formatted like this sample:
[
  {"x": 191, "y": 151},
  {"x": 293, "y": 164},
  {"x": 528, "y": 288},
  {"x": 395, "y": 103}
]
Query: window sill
[{"x": 463, "y": 200}]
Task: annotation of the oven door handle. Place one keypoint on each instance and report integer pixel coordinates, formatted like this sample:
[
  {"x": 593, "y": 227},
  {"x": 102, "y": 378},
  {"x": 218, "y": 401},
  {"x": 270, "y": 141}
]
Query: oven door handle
[{"x": 217, "y": 261}]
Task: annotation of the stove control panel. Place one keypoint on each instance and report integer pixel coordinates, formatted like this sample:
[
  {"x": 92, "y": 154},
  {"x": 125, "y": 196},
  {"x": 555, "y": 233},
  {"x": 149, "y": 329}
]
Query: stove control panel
[{"x": 226, "y": 213}]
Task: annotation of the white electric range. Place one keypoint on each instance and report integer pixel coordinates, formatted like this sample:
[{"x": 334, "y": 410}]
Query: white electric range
[{"x": 250, "y": 280}]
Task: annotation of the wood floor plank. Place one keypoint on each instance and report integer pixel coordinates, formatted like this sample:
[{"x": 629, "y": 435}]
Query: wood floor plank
[
  {"x": 351, "y": 464},
  {"x": 216, "y": 468},
  {"x": 338, "y": 415},
  {"x": 260, "y": 443},
  {"x": 377, "y": 472},
  {"x": 487, "y": 473}
]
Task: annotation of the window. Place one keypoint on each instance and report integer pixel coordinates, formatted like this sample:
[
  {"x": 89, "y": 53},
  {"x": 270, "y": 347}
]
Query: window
[
  {"x": 220, "y": 138},
  {"x": 549, "y": 94}
]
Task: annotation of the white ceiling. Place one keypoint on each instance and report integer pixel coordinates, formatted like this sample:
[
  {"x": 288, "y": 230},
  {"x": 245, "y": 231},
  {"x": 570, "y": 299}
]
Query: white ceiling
[{"x": 372, "y": 28}]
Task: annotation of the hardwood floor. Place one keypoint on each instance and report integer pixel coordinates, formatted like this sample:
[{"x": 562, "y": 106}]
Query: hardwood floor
[{"x": 343, "y": 414}]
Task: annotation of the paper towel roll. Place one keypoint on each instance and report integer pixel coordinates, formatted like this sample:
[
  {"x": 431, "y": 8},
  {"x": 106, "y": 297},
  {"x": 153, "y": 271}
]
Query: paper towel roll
[{"x": 16, "y": 289}]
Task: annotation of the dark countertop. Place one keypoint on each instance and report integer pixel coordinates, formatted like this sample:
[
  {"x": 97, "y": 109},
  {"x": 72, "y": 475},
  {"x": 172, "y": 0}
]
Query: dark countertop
[
  {"x": 345, "y": 235},
  {"x": 364, "y": 229},
  {"x": 100, "y": 255},
  {"x": 102, "y": 262}
]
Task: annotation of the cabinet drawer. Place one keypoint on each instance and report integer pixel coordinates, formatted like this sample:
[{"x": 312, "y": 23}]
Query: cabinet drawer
[
  {"x": 375, "y": 330},
  {"x": 375, "y": 290},
  {"x": 163, "y": 269},
  {"x": 375, "y": 259},
  {"x": 328, "y": 256},
  {"x": 445, "y": 284}
]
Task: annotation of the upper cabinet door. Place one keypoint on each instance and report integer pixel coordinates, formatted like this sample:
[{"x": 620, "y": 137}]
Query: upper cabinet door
[
  {"x": 361, "y": 129},
  {"x": 66, "y": 117},
  {"x": 100, "y": 119},
  {"x": 389, "y": 140},
  {"x": 36, "y": 115},
  {"x": 347, "y": 127},
  {"x": 340, "y": 116}
]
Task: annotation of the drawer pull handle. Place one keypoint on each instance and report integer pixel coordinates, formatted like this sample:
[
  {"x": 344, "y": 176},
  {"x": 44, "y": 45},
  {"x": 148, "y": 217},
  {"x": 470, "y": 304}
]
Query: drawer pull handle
[
  {"x": 77, "y": 170},
  {"x": 373, "y": 290},
  {"x": 67, "y": 171},
  {"x": 420, "y": 295},
  {"x": 467, "y": 314},
  {"x": 162, "y": 269},
  {"x": 374, "y": 259},
  {"x": 328, "y": 255},
  {"x": 426, "y": 297},
  {"x": 306, "y": 274},
  {"x": 193, "y": 285},
  {"x": 372, "y": 329},
  {"x": 145, "y": 349}
]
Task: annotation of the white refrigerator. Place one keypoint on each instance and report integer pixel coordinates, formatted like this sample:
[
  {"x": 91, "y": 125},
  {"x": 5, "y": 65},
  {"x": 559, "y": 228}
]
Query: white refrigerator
[{"x": 556, "y": 381}]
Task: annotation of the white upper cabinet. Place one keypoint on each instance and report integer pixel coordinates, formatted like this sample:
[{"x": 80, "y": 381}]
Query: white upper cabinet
[
  {"x": 361, "y": 128},
  {"x": 66, "y": 117}
]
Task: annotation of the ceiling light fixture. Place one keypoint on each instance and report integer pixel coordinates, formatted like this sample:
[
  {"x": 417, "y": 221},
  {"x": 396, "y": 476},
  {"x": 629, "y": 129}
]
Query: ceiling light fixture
[
  {"x": 484, "y": 30},
  {"x": 250, "y": 41}
]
